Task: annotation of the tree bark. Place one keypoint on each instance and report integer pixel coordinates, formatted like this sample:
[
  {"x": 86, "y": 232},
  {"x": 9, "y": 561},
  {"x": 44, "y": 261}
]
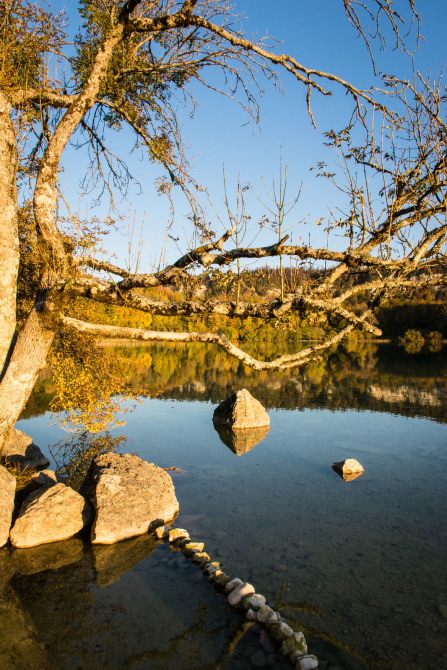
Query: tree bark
[
  {"x": 27, "y": 359},
  {"x": 9, "y": 247}
]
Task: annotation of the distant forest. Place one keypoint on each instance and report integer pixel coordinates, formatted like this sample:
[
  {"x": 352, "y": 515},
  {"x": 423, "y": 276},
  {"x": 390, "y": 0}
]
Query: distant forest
[{"x": 424, "y": 310}]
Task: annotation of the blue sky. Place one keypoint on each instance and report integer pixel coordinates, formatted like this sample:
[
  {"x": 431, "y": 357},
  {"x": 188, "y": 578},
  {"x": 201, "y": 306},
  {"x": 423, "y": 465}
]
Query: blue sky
[{"x": 318, "y": 35}]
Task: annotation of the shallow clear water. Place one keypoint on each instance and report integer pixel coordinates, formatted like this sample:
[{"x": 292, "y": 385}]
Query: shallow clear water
[{"x": 359, "y": 566}]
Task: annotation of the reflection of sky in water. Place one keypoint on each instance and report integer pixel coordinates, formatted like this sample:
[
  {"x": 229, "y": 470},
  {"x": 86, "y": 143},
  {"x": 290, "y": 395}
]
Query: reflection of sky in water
[{"x": 363, "y": 562}]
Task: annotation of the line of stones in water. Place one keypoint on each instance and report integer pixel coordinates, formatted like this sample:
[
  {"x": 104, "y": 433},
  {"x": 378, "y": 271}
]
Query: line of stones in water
[{"x": 241, "y": 595}]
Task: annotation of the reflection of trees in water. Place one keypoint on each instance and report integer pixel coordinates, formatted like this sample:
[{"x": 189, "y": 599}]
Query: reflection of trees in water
[{"x": 346, "y": 377}]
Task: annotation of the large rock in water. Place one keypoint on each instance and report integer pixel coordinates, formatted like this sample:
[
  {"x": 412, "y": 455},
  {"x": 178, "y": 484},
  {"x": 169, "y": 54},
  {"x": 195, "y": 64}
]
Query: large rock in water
[
  {"x": 130, "y": 497},
  {"x": 52, "y": 513},
  {"x": 7, "y": 491},
  {"x": 349, "y": 469},
  {"x": 240, "y": 410},
  {"x": 20, "y": 449}
]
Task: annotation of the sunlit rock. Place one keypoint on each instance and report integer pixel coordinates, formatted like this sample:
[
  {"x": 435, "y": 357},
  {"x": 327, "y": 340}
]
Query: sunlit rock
[
  {"x": 7, "y": 491},
  {"x": 241, "y": 411},
  {"x": 349, "y": 469},
  {"x": 48, "y": 556},
  {"x": 111, "y": 561},
  {"x": 178, "y": 534},
  {"x": 50, "y": 514},
  {"x": 235, "y": 596},
  {"x": 241, "y": 441},
  {"x": 193, "y": 546},
  {"x": 20, "y": 449},
  {"x": 162, "y": 532},
  {"x": 130, "y": 497}
]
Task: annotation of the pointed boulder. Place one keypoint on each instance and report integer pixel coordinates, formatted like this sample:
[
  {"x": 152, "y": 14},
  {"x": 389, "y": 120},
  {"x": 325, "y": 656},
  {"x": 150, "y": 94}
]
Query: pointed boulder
[
  {"x": 239, "y": 411},
  {"x": 349, "y": 469}
]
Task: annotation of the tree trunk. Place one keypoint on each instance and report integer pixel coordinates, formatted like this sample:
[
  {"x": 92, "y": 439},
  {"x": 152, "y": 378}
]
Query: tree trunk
[
  {"x": 9, "y": 247},
  {"x": 27, "y": 359}
]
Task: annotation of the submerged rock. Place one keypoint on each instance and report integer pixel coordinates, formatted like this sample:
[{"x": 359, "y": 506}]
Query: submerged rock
[
  {"x": 53, "y": 513},
  {"x": 19, "y": 449},
  {"x": 130, "y": 497},
  {"x": 7, "y": 491},
  {"x": 241, "y": 441},
  {"x": 240, "y": 411},
  {"x": 349, "y": 469}
]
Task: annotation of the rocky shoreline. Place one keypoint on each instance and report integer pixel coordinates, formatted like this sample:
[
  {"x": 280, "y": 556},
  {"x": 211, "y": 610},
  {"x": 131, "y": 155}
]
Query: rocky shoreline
[{"x": 123, "y": 497}]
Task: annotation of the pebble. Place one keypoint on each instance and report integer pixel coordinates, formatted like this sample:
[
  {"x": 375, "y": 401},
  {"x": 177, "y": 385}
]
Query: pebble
[
  {"x": 280, "y": 631},
  {"x": 177, "y": 534},
  {"x": 266, "y": 642},
  {"x": 232, "y": 584},
  {"x": 443, "y": 610},
  {"x": 294, "y": 646},
  {"x": 307, "y": 663},
  {"x": 256, "y": 601},
  {"x": 211, "y": 568},
  {"x": 221, "y": 579},
  {"x": 235, "y": 596},
  {"x": 200, "y": 557},
  {"x": 193, "y": 546},
  {"x": 258, "y": 659},
  {"x": 266, "y": 614},
  {"x": 162, "y": 532},
  {"x": 280, "y": 568}
]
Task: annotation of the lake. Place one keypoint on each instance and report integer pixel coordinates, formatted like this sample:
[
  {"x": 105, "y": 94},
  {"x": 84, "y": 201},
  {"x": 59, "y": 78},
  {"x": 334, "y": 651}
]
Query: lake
[{"x": 359, "y": 566}]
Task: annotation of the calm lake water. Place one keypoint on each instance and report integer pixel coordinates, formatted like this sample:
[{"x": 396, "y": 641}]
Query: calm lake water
[{"x": 359, "y": 566}]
